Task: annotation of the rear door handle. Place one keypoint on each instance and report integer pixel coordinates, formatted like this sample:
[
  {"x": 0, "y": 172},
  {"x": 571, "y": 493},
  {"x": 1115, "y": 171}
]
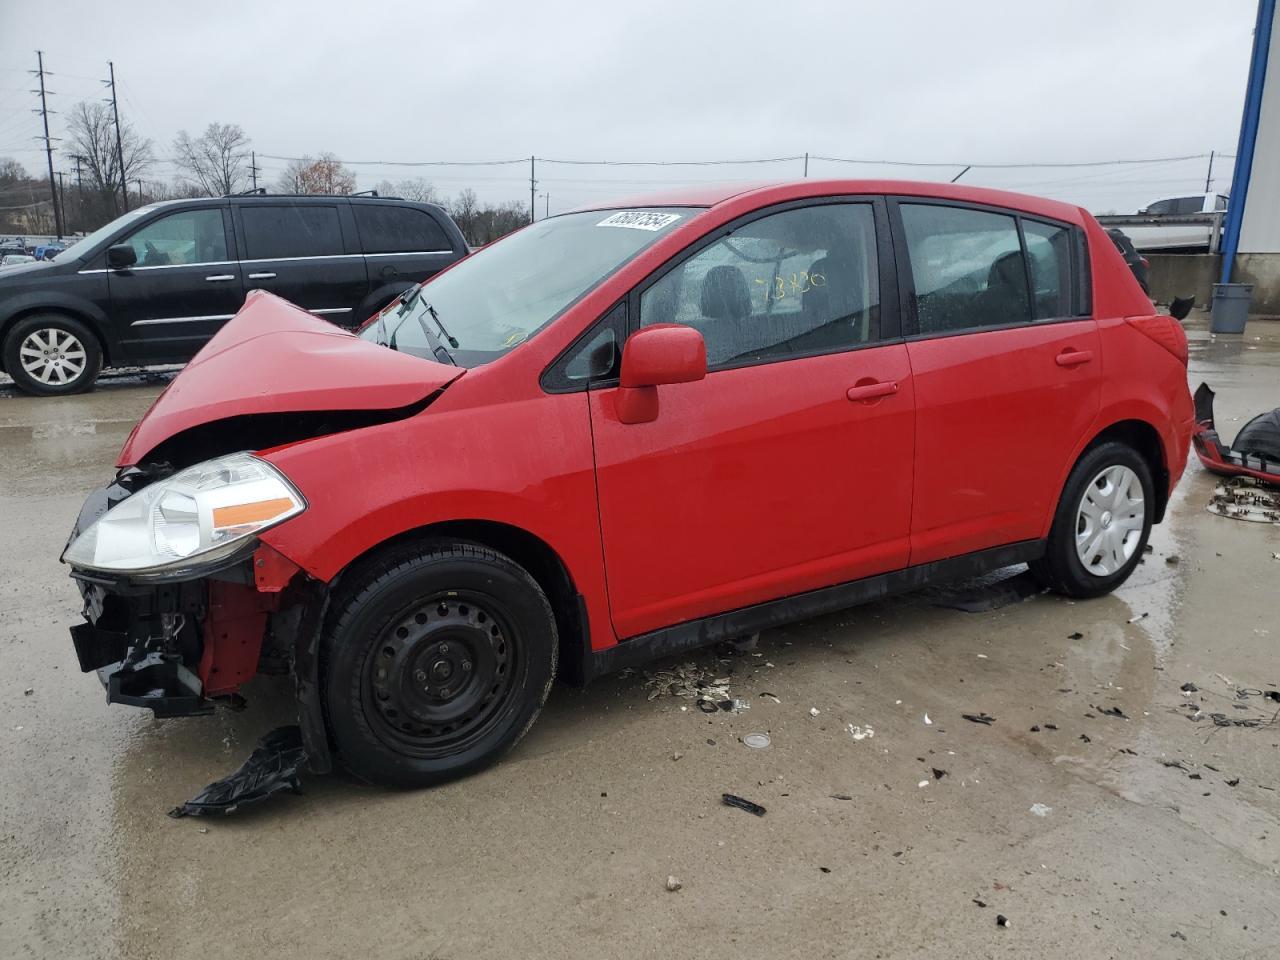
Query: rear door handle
[
  {"x": 262, "y": 276},
  {"x": 1073, "y": 358},
  {"x": 872, "y": 391},
  {"x": 221, "y": 276}
]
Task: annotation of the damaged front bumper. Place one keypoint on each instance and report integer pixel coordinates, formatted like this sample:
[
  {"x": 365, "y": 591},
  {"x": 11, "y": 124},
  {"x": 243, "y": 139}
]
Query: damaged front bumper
[{"x": 180, "y": 646}]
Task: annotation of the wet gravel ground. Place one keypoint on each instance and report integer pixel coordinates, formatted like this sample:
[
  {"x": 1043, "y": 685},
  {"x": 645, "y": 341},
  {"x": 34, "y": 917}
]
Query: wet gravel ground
[{"x": 1095, "y": 835}]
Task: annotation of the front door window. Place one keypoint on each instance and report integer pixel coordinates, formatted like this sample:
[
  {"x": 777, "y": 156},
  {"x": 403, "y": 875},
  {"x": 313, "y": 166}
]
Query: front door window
[{"x": 188, "y": 237}]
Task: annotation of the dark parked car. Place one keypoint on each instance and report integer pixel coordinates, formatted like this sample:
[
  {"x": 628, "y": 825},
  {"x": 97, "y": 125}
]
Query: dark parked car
[{"x": 155, "y": 284}]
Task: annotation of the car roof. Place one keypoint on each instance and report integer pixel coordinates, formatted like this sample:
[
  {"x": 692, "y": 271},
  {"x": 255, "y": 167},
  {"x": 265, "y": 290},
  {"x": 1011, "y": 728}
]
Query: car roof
[{"x": 763, "y": 194}]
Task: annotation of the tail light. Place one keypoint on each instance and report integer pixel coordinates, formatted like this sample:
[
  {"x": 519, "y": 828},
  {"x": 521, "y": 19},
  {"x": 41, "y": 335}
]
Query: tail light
[{"x": 1165, "y": 331}]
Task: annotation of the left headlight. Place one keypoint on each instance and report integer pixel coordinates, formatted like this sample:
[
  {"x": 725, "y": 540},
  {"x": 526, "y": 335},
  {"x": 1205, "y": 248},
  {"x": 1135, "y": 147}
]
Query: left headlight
[{"x": 195, "y": 518}]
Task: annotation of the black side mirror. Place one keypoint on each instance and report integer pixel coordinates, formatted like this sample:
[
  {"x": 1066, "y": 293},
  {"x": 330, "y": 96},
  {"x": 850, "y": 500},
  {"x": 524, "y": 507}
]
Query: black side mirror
[{"x": 121, "y": 256}]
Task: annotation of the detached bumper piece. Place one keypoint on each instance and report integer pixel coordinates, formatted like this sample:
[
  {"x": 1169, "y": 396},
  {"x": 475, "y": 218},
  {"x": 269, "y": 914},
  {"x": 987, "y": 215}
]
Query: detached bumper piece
[
  {"x": 1255, "y": 452},
  {"x": 272, "y": 768}
]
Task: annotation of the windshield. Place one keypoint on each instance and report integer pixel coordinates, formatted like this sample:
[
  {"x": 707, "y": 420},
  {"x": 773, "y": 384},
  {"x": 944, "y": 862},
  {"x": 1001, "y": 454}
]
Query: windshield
[
  {"x": 502, "y": 295},
  {"x": 85, "y": 244}
]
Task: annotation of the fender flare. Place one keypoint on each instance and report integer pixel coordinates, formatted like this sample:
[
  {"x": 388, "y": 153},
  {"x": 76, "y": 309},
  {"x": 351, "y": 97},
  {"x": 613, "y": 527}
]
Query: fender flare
[{"x": 53, "y": 301}]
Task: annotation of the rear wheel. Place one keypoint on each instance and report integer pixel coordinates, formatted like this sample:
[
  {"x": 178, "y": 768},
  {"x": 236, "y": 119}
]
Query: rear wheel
[
  {"x": 438, "y": 659},
  {"x": 50, "y": 354},
  {"x": 1101, "y": 525}
]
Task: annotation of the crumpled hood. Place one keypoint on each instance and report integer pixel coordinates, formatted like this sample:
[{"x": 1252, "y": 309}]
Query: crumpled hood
[{"x": 274, "y": 357}]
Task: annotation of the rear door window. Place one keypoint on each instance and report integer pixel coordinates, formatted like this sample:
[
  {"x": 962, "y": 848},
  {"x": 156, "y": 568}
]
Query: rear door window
[
  {"x": 967, "y": 267},
  {"x": 388, "y": 229},
  {"x": 290, "y": 230}
]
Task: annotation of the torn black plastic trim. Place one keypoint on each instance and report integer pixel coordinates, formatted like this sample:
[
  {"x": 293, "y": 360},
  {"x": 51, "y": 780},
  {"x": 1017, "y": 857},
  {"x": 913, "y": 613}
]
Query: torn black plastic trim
[{"x": 272, "y": 768}]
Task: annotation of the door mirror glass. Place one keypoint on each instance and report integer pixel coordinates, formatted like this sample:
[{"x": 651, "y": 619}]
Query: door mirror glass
[
  {"x": 121, "y": 256},
  {"x": 663, "y": 353}
]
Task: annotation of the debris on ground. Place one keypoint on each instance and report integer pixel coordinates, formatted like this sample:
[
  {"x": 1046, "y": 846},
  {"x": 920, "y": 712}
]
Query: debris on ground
[
  {"x": 757, "y": 741},
  {"x": 1172, "y": 559},
  {"x": 939, "y": 773},
  {"x": 677, "y": 755},
  {"x": 272, "y": 768},
  {"x": 1040, "y": 810},
  {"x": 689, "y": 681},
  {"x": 983, "y": 718},
  {"x": 29, "y": 691},
  {"x": 860, "y": 733},
  {"x": 841, "y": 796},
  {"x": 1179, "y": 935},
  {"x": 1243, "y": 498},
  {"x": 981, "y": 903},
  {"x": 987, "y": 596},
  {"x": 814, "y": 711},
  {"x": 927, "y": 721},
  {"x": 1111, "y": 712},
  {"x": 1084, "y": 737},
  {"x": 730, "y": 800},
  {"x": 1141, "y": 616},
  {"x": 1189, "y": 688},
  {"x": 1035, "y": 729},
  {"x": 1002, "y": 920},
  {"x": 923, "y": 783},
  {"x": 673, "y": 884},
  {"x": 1075, "y": 636}
]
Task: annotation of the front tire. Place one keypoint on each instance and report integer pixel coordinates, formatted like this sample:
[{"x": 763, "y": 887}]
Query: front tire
[
  {"x": 1102, "y": 523},
  {"x": 436, "y": 660},
  {"x": 50, "y": 354}
]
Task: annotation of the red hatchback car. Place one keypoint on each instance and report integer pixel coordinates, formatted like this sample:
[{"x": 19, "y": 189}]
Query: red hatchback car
[{"x": 621, "y": 433}]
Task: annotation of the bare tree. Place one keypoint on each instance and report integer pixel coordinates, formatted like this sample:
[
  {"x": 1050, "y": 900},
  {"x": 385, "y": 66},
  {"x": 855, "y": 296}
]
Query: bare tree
[
  {"x": 482, "y": 224},
  {"x": 217, "y": 161},
  {"x": 92, "y": 136},
  {"x": 418, "y": 189},
  {"x": 324, "y": 174}
]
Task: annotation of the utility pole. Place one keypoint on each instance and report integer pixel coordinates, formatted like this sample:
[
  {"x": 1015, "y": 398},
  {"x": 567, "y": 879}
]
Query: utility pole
[
  {"x": 806, "y": 163},
  {"x": 546, "y": 207},
  {"x": 115, "y": 112},
  {"x": 1208, "y": 177},
  {"x": 48, "y": 144},
  {"x": 62, "y": 203},
  {"x": 139, "y": 183},
  {"x": 253, "y": 169},
  {"x": 533, "y": 193}
]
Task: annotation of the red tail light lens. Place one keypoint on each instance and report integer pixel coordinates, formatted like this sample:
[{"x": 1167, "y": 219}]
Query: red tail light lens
[{"x": 1165, "y": 331}]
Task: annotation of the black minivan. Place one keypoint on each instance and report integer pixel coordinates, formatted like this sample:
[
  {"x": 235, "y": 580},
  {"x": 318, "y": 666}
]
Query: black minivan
[{"x": 154, "y": 285}]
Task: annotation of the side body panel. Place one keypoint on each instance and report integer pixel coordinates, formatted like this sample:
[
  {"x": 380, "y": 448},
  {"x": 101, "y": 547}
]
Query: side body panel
[
  {"x": 523, "y": 460},
  {"x": 752, "y": 484}
]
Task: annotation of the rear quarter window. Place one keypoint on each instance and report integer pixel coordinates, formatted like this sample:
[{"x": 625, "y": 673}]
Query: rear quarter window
[
  {"x": 291, "y": 230},
  {"x": 388, "y": 229}
]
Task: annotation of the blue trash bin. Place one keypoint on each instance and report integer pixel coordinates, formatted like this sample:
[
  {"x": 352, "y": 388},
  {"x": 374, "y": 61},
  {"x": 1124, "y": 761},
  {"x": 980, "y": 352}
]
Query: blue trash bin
[{"x": 1230, "y": 308}]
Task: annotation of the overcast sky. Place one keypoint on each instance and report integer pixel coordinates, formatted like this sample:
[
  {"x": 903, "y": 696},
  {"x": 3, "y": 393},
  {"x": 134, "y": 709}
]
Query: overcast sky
[{"x": 974, "y": 82}]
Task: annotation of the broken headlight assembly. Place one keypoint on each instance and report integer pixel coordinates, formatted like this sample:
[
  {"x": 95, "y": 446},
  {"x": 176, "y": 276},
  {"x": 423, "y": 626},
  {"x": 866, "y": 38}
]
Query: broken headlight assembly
[{"x": 195, "y": 519}]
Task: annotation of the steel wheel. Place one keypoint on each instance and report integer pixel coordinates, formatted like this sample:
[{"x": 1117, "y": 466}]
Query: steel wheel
[
  {"x": 440, "y": 674},
  {"x": 1110, "y": 520},
  {"x": 52, "y": 356}
]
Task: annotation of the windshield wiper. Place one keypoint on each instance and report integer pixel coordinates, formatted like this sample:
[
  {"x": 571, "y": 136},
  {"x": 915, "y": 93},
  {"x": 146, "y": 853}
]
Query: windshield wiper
[
  {"x": 439, "y": 349},
  {"x": 453, "y": 342}
]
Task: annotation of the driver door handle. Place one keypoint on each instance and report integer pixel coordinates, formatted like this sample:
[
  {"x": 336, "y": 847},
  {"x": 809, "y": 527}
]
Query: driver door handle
[
  {"x": 220, "y": 276},
  {"x": 872, "y": 391}
]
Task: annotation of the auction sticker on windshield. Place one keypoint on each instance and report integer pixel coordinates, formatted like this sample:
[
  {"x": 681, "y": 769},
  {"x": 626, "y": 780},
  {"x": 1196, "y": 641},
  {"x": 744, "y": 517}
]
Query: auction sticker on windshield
[{"x": 639, "y": 220}]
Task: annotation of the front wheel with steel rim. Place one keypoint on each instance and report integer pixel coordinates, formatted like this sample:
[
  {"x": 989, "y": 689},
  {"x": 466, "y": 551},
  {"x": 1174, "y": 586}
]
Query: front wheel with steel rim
[
  {"x": 436, "y": 660},
  {"x": 1101, "y": 525},
  {"x": 52, "y": 354}
]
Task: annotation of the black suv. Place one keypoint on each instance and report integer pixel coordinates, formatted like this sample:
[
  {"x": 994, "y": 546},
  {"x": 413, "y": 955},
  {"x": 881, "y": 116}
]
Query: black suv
[{"x": 154, "y": 285}]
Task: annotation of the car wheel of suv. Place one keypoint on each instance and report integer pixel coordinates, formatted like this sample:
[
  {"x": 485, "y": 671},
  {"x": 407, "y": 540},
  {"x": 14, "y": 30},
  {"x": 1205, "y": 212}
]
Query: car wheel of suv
[
  {"x": 1102, "y": 523},
  {"x": 51, "y": 354},
  {"x": 436, "y": 660}
]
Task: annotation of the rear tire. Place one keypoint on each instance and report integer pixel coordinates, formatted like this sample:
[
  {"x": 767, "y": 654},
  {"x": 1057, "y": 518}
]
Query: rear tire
[
  {"x": 1100, "y": 528},
  {"x": 49, "y": 354},
  {"x": 436, "y": 660}
]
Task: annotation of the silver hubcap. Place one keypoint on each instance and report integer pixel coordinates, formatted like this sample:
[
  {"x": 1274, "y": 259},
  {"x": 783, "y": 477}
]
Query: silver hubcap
[
  {"x": 53, "y": 356},
  {"x": 1110, "y": 520}
]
